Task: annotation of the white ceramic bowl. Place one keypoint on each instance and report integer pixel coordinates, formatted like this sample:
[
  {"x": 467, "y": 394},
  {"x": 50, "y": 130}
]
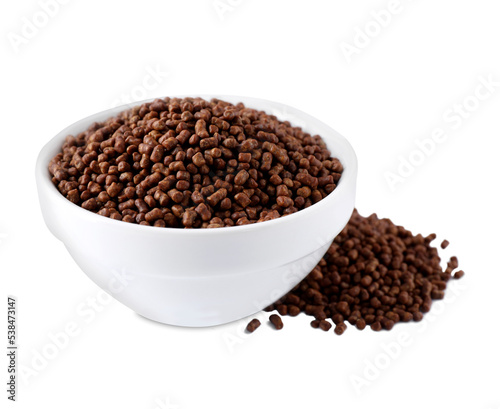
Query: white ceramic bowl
[{"x": 200, "y": 277}]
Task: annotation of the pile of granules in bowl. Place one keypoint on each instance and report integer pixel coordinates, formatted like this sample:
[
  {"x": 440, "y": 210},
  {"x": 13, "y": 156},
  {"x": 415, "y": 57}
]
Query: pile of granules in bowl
[
  {"x": 192, "y": 163},
  {"x": 374, "y": 274}
]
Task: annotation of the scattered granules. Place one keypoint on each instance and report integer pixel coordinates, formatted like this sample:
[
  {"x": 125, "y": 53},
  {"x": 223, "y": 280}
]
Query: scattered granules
[
  {"x": 374, "y": 274},
  {"x": 253, "y": 325},
  {"x": 276, "y": 321}
]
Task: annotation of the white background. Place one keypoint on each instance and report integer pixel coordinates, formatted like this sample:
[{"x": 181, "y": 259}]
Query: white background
[{"x": 390, "y": 94}]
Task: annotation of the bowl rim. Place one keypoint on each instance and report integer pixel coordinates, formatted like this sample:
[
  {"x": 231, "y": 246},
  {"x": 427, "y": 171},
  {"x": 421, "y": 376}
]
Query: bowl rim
[{"x": 349, "y": 174}]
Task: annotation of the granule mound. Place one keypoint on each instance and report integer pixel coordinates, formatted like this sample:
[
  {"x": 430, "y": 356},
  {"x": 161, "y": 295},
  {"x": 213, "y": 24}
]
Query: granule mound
[
  {"x": 374, "y": 274},
  {"x": 192, "y": 163}
]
